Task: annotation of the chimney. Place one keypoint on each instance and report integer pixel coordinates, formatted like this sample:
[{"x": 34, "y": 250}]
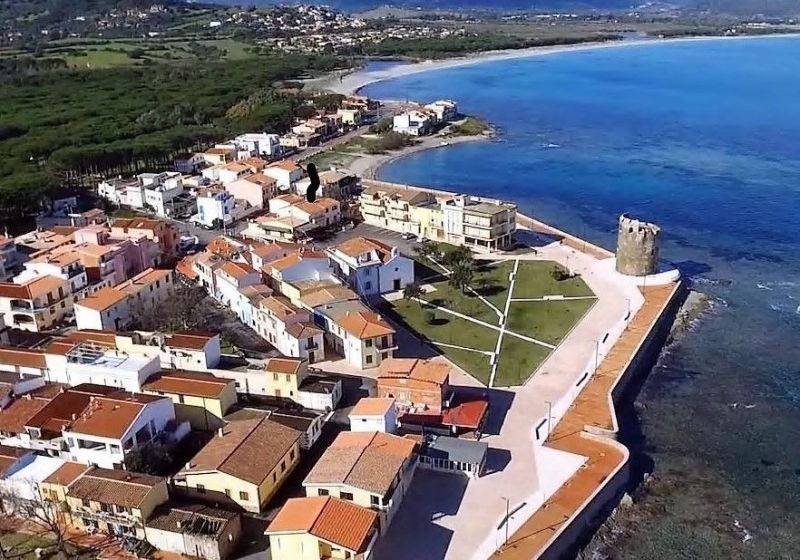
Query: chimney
[{"x": 221, "y": 431}]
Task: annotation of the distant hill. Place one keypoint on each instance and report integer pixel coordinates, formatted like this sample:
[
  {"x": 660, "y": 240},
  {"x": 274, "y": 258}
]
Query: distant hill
[{"x": 766, "y": 7}]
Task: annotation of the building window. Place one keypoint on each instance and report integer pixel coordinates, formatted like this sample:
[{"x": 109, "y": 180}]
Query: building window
[
  {"x": 180, "y": 399},
  {"x": 201, "y": 489},
  {"x": 368, "y": 343},
  {"x": 283, "y": 466},
  {"x": 85, "y": 502},
  {"x": 322, "y": 492},
  {"x": 368, "y": 286},
  {"x": 244, "y": 496},
  {"x": 274, "y": 376},
  {"x": 274, "y": 477},
  {"x": 228, "y": 492},
  {"x": 375, "y": 500},
  {"x": 369, "y": 359},
  {"x": 346, "y": 496},
  {"x": 291, "y": 455}
]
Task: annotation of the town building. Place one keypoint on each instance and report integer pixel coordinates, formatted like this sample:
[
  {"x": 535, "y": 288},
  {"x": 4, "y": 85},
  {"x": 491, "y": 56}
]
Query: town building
[
  {"x": 391, "y": 208},
  {"x": 290, "y": 329},
  {"x": 413, "y": 123},
  {"x": 332, "y": 184},
  {"x": 450, "y": 454},
  {"x": 370, "y": 469},
  {"x": 444, "y": 110},
  {"x": 245, "y": 463},
  {"x": 286, "y": 172},
  {"x": 195, "y": 530},
  {"x": 362, "y": 336},
  {"x": 220, "y": 154},
  {"x": 9, "y": 257},
  {"x": 350, "y": 117},
  {"x": 415, "y": 383},
  {"x": 201, "y": 399},
  {"x": 115, "y": 502},
  {"x": 373, "y": 414},
  {"x": 371, "y": 267},
  {"x": 163, "y": 233},
  {"x": 318, "y": 528},
  {"x": 289, "y": 378},
  {"x": 260, "y": 144},
  {"x": 38, "y": 305},
  {"x": 257, "y": 189},
  {"x": 115, "y": 308},
  {"x": 483, "y": 225}
]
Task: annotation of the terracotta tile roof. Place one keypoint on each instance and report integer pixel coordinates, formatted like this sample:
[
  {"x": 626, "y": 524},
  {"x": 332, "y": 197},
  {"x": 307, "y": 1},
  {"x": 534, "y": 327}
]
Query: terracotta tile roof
[
  {"x": 220, "y": 151},
  {"x": 31, "y": 289},
  {"x": 358, "y": 246},
  {"x": 317, "y": 207},
  {"x": 283, "y": 365},
  {"x": 249, "y": 450},
  {"x": 340, "y": 522},
  {"x": 222, "y": 247},
  {"x": 415, "y": 369},
  {"x": 280, "y": 306},
  {"x": 186, "y": 267},
  {"x": 274, "y": 250},
  {"x": 66, "y": 474},
  {"x": 116, "y": 487},
  {"x": 107, "y": 339},
  {"x": 18, "y": 414},
  {"x": 143, "y": 280},
  {"x": 303, "y": 329},
  {"x": 198, "y": 384},
  {"x": 192, "y": 518},
  {"x": 237, "y": 270},
  {"x": 290, "y": 198},
  {"x": 370, "y": 461},
  {"x": 371, "y": 406},
  {"x": 261, "y": 179},
  {"x": 137, "y": 223},
  {"x": 466, "y": 413},
  {"x": 286, "y": 164},
  {"x": 293, "y": 259},
  {"x": 256, "y": 293},
  {"x": 105, "y": 417},
  {"x": 10, "y": 455},
  {"x": 190, "y": 340},
  {"x": 20, "y": 357},
  {"x": 103, "y": 299},
  {"x": 328, "y": 295},
  {"x": 58, "y": 413},
  {"x": 237, "y": 167},
  {"x": 365, "y": 324}
]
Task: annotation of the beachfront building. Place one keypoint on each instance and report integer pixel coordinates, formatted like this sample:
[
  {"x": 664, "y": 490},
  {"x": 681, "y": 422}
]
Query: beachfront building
[
  {"x": 445, "y": 110},
  {"x": 413, "y": 123},
  {"x": 371, "y": 267},
  {"x": 391, "y": 207},
  {"x": 260, "y": 144},
  {"x": 479, "y": 224}
]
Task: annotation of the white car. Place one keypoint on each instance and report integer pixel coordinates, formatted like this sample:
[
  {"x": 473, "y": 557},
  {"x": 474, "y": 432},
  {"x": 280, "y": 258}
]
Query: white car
[{"x": 408, "y": 235}]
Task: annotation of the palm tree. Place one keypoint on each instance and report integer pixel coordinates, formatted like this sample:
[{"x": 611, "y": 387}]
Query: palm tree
[{"x": 413, "y": 291}]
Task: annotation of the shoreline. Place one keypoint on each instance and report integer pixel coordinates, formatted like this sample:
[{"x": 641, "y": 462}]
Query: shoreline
[{"x": 353, "y": 82}]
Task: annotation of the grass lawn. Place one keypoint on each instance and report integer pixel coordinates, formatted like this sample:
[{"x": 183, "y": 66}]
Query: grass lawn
[
  {"x": 518, "y": 360},
  {"x": 534, "y": 280},
  {"x": 21, "y": 546},
  {"x": 491, "y": 281},
  {"x": 450, "y": 330},
  {"x": 548, "y": 321},
  {"x": 324, "y": 160}
]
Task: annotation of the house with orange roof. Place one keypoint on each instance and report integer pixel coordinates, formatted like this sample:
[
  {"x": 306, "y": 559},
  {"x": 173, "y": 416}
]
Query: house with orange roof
[
  {"x": 220, "y": 154},
  {"x": 333, "y": 183},
  {"x": 244, "y": 465},
  {"x": 289, "y": 378},
  {"x": 323, "y": 212},
  {"x": 415, "y": 383},
  {"x": 319, "y": 528},
  {"x": 63, "y": 262},
  {"x": 162, "y": 232},
  {"x": 230, "y": 279},
  {"x": 374, "y": 414},
  {"x": 304, "y": 264},
  {"x": 286, "y": 172},
  {"x": 371, "y": 267},
  {"x": 393, "y": 208},
  {"x": 370, "y": 469},
  {"x": 272, "y": 227},
  {"x": 37, "y": 305},
  {"x": 356, "y": 332},
  {"x": 264, "y": 253},
  {"x": 114, "y": 308}
]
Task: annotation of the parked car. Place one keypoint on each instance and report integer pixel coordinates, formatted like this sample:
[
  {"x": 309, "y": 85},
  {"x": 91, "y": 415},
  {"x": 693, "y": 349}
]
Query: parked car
[
  {"x": 424, "y": 240},
  {"x": 408, "y": 235}
]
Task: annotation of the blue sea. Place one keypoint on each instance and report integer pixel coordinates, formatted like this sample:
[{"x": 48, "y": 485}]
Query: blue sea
[{"x": 704, "y": 139}]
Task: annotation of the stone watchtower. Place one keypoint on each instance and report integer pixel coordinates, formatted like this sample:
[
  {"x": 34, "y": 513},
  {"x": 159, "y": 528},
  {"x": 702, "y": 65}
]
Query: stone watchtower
[{"x": 637, "y": 247}]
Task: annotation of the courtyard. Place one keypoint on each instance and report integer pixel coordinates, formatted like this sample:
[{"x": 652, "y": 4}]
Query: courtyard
[{"x": 504, "y": 324}]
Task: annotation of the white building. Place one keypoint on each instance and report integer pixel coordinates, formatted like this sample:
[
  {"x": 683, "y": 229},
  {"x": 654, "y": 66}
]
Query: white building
[
  {"x": 215, "y": 208},
  {"x": 362, "y": 336},
  {"x": 257, "y": 189},
  {"x": 85, "y": 362},
  {"x": 285, "y": 172},
  {"x": 371, "y": 267},
  {"x": 413, "y": 123},
  {"x": 445, "y": 110},
  {"x": 290, "y": 329},
  {"x": 66, "y": 265},
  {"x": 479, "y": 224},
  {"x": 374, "y": 415},
  {"x": 259, "y": 144}
]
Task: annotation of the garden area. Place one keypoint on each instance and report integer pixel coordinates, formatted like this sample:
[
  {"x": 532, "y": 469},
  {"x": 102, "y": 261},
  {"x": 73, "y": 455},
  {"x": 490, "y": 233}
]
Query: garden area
[{"x": 457, "y": 305}]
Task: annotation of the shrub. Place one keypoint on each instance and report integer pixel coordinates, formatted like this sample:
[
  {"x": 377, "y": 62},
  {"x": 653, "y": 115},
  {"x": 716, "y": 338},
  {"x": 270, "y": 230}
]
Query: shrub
[{"x": 430, "y": 317}]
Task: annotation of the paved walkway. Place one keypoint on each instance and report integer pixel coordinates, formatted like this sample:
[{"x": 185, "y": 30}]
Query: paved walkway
[{"x": 604, "y": 456}]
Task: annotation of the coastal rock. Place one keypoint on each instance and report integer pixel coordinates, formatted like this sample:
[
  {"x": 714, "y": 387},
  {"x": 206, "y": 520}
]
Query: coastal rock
[{"x": 626, "y": 501}]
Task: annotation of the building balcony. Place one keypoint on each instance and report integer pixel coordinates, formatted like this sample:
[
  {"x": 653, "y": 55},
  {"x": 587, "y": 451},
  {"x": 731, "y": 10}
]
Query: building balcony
[
  {"x": 124, "y": 519},
  {"x": 22, "y": 305}
]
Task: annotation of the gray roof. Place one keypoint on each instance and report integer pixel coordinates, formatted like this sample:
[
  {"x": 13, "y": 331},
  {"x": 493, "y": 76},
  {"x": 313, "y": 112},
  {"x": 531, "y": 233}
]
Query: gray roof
[
  {"x": 339, "y": 309},
  {"x": 454, "y": 449}
]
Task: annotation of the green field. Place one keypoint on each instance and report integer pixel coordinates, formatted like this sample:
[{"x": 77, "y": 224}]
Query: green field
[{"x": 545, "y": 321}]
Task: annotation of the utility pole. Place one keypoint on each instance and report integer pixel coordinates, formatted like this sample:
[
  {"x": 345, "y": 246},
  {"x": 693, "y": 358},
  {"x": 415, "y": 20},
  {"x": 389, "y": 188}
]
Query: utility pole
[
  {"x": 549, "y": 415},
  {"x": 506, "y": 522}
]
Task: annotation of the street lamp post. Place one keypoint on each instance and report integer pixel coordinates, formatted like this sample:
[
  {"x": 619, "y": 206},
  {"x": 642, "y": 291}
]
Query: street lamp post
[
  {"x": 507, "y": 508},
  {"x": 596, "y": 355},
  {"x": 549, "y": 415}
]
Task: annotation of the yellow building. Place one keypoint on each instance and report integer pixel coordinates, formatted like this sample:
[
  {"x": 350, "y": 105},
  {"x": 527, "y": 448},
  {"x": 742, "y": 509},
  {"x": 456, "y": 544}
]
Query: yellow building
[
  {"x": 428, "y": 220},
  {"x": 284, "y": 377},
  {"x": 53, "y": 490},
  {"x": 201, "y": 398},
  {"x": 114, "y": 501},
  {"x": 390, "y": 207},
  {"x": 322, "y": 528},
  {"x": 245, "y": 463},
  {"x": 348, "y": 470}
]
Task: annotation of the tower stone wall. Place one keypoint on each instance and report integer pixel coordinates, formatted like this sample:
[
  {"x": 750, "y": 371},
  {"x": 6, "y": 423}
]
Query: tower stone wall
[{"x": 637, "y": 247}]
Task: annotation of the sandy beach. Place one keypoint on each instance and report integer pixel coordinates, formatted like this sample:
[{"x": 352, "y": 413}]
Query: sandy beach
[{"x": 352, "y": 82}]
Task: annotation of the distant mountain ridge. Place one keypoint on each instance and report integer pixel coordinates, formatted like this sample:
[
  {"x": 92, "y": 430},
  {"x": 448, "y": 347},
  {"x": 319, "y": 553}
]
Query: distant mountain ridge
[{"x": 749, "y": 7}]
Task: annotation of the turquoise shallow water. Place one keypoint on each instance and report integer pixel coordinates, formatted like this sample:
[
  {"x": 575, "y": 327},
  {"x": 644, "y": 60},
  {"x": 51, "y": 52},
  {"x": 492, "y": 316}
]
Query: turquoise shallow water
[{"x": 703, "y": 138}]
